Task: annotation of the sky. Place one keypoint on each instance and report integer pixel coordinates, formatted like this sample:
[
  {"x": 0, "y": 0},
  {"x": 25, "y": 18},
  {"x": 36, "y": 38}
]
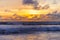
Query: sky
[
  {"x": 9, "y": 3},
  {"x": 17, "y": 3}
]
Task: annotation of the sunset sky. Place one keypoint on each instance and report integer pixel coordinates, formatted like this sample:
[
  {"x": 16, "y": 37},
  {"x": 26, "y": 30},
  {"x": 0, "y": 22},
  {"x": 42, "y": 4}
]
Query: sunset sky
[
  {"x": 12, "y": 7},
  {"x": 17, "y": 3}
]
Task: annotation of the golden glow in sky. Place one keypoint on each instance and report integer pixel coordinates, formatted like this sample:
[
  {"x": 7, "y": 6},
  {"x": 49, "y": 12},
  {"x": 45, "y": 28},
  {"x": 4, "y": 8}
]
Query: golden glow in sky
[
  {"x": 17, "y": 4},
  {"x": 15, "y": 8}
]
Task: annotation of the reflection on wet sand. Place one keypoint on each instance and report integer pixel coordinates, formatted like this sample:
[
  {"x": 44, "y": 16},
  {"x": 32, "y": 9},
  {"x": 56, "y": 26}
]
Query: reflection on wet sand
[{"x": 37, "y": 36}]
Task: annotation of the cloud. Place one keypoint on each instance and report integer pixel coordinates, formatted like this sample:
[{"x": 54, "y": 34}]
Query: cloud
[{"x": 28, "y": 2}]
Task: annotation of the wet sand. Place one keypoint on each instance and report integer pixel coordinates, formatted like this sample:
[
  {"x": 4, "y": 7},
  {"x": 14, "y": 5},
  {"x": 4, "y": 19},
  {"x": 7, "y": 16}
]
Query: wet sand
[{"x": 37, "y": 36}]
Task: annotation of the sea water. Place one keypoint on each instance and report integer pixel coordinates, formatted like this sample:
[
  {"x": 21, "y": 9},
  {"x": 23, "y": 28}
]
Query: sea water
[{"x": 51, "y": 35}]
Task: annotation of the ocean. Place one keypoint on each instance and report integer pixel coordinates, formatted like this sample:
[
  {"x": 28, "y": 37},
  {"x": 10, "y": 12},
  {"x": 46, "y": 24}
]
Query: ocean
[{"x": 41, "y": 35}]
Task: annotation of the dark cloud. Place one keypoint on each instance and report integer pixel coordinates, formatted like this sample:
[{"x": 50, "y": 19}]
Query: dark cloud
[{"x": 28, "y": 1}]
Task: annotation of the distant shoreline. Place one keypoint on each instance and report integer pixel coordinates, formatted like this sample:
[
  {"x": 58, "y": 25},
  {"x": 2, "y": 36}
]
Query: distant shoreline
[{"x": 30, "y": 23}]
